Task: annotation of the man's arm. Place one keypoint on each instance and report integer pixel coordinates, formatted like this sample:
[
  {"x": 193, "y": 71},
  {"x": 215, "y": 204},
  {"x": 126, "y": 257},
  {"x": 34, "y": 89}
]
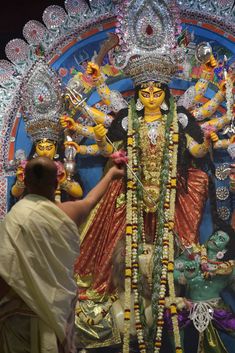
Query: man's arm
[{"x": 79, "y": 210}]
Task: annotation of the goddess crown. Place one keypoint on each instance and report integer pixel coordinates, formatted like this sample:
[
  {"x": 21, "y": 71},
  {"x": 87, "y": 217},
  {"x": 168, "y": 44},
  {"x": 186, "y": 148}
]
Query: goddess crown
[
  {"x": 148, "y": 49},
  {"x": 41, "y": 102}
]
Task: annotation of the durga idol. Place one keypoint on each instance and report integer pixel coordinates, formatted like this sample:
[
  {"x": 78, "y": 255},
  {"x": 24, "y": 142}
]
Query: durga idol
[{"x": 162, "y": 200}]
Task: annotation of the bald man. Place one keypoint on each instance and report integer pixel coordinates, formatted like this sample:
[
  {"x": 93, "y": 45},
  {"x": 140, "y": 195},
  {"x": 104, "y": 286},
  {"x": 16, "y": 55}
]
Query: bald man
[{"x": 39, "y": 245}]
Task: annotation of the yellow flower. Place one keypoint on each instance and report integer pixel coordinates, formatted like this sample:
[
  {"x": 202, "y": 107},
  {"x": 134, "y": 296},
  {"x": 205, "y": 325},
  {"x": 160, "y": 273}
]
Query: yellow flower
[
  {"x": 128, "y": 272},
  {"x": 129, "y": 230},
  {"x": 130, "y": 184},
  {"x": 175, "y": 137},
  {"x": 130, "y": 141},
  {"x": 127, "y": 315},
  {"x": 171, "y": 225},
  {"x": 178, "y": 350},
  {"x": 173, "y": 309}
]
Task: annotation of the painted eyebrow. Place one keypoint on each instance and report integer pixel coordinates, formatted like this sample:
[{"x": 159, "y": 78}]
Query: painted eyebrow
[
  {"x": 142, "y": 90},
  {"x": 49, "y": 144}
]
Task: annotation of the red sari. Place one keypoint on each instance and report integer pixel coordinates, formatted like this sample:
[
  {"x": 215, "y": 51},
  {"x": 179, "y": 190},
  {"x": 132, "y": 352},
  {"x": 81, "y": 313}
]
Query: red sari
[{"x": 109, "y": 225}]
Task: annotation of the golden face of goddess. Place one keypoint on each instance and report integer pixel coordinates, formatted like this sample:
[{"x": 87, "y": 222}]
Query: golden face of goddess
[
  {"x": 46, "y": 148},
  {"x": 151, "y": 96}
]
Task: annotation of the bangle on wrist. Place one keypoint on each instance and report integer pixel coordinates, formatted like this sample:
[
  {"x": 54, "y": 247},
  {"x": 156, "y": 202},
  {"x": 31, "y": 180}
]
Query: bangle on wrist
[
  {"x": 78, "y": 127},
  {"x": 101, "y": 143},
  {"x": 206, "y": 75},
  {"x": 20, "y": 184},
  {"x": 65, "y": 185},
  {"x": 221, "y": 93},
  {"x": 98, "y": 81}
]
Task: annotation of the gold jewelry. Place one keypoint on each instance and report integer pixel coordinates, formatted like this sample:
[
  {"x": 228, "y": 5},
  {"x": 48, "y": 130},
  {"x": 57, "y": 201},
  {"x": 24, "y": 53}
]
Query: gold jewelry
[
  {"x": 153, "y": 114},
  {"x": 65, "y": 185},
  {"x": 150, "y": 84},
  {"x": 94, "y": 321},
  {"x": 206, "y": 75},
  {"x": 20, "y": 184}
]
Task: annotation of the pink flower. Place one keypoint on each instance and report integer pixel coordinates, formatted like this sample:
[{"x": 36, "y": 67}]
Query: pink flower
[
  {"x": 204, "y": 267},
  {"x": 208, "y": 129},
  {"x": 23, "y": 163},
  {"x": 220, "y": 255},
  {"x": 119, "y": 157}
]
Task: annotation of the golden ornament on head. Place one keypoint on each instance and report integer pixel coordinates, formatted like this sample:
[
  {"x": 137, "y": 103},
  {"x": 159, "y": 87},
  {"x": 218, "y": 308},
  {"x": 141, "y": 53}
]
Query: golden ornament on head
[{"x": 150, "y": 84}]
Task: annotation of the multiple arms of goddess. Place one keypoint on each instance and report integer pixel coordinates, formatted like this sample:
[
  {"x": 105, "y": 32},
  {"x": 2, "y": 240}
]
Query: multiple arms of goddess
[
  {"x": 189, "y": 100},
  {"x": 98, "y": 132},
  {"x": 113, "y": 99}
]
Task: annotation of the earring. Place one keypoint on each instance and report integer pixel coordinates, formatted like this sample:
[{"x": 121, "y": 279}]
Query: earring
[
  {"x": 164, "y": 106},
  {"x": 139, "y": 106}
]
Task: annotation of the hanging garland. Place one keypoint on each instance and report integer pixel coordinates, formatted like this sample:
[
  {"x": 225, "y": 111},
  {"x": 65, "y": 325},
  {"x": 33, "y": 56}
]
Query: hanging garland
[
  {"x": 164, "y": 240},
  {"x": 129, "y": 230}
]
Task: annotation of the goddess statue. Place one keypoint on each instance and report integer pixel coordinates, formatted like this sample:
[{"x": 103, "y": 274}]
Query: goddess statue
[
  {"x": 162, "y": 201},
  {"x": 47, "y": 148},
  {"x": 41, "y": 107},
  {"x": 108, "y": 224}
]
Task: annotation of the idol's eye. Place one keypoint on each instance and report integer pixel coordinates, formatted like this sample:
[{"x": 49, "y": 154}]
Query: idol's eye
[
  {"x": 157, "y": 94},
  {"x": 40, "y": 147},
  {"x": 48, "y": 148},
  {"x": 145, "y": 94}
]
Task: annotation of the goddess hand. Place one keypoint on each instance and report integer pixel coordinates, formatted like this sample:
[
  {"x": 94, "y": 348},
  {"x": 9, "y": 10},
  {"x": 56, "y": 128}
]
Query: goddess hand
[
  {"x": 67, "y": 122},
  {"x": 72, "y": 144},
  {"x": 211, "y": 64},
  {"x": 232, "y": 139},
  {"x": 100, "y": 132},
  {"x": 20, "y": 174},
  {"x": 214, "y": 137},
  {"x": 222, "y": 85},
  {"x": 93, "y": 70}
]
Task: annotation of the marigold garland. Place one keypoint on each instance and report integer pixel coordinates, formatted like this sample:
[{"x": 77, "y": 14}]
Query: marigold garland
[
  {"x": 129, "y": 229},
  {"x": 161, "y": 252},
  {"x": 173, "y": 306},
  {"x": 164, "y": 249},
  {"x": 136, "y": 211}
]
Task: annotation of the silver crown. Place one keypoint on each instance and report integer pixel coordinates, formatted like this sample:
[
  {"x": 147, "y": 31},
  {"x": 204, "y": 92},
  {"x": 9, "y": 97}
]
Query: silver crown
[
  {"x": 41, "y": 101},
  {"x": 148, "y": 31}
]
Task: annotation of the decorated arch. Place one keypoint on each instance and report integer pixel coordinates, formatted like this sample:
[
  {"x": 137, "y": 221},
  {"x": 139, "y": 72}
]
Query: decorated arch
[{"x": 34, "y": 77}]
